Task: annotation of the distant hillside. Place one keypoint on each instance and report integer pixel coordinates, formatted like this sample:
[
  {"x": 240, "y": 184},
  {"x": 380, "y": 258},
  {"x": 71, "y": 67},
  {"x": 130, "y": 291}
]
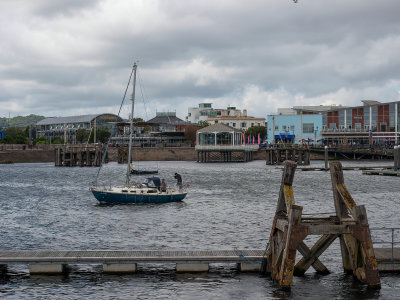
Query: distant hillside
[{"x": 20, "y": 121}]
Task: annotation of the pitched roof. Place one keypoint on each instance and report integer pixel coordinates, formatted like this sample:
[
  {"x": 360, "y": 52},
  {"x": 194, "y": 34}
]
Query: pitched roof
[
  {"x": 219, "y": 127},
  {"x": 67, "y": 120},
  {"x": 166, "y": 120}
]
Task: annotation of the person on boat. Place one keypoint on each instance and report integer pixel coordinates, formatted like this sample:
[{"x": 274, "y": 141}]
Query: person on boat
[
  {"x": 178, "y": 179},
  {"x": 163, "y": 186}
]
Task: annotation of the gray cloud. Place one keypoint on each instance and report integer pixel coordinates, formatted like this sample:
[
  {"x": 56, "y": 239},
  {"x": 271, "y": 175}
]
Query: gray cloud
[{"x": 70, "y": 57}]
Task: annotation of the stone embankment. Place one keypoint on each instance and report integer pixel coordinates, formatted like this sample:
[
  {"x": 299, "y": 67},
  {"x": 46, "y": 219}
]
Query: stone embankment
[{"x": 141, "y": 154}]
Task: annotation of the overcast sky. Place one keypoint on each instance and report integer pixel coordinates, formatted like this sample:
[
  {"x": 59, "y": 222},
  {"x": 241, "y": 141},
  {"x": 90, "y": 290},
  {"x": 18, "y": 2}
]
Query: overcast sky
[{"x": 72, "y": 57}]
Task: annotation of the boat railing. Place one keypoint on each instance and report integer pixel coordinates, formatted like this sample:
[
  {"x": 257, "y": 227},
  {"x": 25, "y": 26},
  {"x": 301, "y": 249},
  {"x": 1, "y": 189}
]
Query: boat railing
[{"x": 386, "y": 236}]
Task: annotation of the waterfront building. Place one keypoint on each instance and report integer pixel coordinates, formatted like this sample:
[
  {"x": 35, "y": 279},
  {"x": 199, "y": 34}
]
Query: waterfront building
[
  {"x": 374, "y": 123},
  {"x": 202, "y": 113},
  {"x": 219, "y": 134},
  {"x": 237, "y": 119},
  {"x": 294, "y": 129},
  {"x": 167, "y": 122},
  {"x": 222, "y": 143},
  {"x": 66, "y": 127}
]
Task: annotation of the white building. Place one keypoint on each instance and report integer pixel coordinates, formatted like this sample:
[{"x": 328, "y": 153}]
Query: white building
[
  {"x": 237, "y": 119},
  {"x": 202, "y": 113}
]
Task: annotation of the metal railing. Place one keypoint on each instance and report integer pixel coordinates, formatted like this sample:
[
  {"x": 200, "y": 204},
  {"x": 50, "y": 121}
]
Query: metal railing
[
  {"x": 388, "y": 233},
  {"x": 246, "y": 147}
]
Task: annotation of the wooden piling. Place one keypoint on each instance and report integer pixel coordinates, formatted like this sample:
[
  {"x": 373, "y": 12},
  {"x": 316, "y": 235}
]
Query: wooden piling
[
  {"x": 277, "y": 156},
  {"x": 289, "y": 229},
  {"x": 69, "y": 156}
]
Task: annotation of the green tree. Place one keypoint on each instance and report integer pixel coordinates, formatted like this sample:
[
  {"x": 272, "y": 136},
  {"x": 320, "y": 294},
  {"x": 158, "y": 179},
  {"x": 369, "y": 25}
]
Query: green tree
[
  {"x": 40, "y": 140},
  {"x": 137, "y": 120},
  {"x": 57, "y": 140},
  {"x": 255, "y": 130},
  {"x": 203, "y": 124},
  {"x": 147, "y": 129},
  {"x": 14, "y": 136},
  {"x": 82, "y": 135},
  {"x": 103, "y": 135},
  {"x": 190, "y": 133}
]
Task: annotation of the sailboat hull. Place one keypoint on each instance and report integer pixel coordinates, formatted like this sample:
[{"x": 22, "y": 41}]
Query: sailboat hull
[{"x": 122, "y": 198}]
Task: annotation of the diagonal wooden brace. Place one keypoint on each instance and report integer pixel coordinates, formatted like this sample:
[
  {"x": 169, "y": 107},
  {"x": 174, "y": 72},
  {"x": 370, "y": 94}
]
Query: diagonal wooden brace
[{"x": 310, "y": 257}]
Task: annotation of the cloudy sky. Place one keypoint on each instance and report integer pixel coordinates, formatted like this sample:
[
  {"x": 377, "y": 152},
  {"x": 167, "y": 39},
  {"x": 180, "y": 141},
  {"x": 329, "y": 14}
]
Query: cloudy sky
[{"x": 71, "y": 57}]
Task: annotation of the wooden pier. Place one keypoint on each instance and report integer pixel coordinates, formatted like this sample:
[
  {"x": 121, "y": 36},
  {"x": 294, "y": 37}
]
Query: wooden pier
[
  {"x": 230, "y": 153},
  {"x": 386, "y": 172},
  {"x": 72, "y": 156},
  {"x": 348, "y": 168},
  {"x": 277, "y": 156},
  {"x": 123, "y": 261},
  {"x": 126, "y": 261},
  {"x": 381, "y": 172}
]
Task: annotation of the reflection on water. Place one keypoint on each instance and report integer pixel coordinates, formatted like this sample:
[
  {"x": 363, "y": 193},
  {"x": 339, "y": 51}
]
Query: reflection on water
[{"x": 228, "y": 206}]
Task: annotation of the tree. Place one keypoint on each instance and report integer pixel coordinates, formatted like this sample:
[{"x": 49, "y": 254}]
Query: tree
[
  {"x": 14, "y": 136},
  {"x": 203, "y": 124},
  {"x": 190, "y": 132},
  {"x": 103, "y": 135},
  {"x": 137, "y": 120},
  {"x": 57, "y": 140},
  {"x": 255, "y": 130},
  {"x": 82, "y": 135},
  {"x": 40, "y": 140}
]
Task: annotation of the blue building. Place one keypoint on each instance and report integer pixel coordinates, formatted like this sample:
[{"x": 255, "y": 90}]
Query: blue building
[{"x": 294, "y": 129}]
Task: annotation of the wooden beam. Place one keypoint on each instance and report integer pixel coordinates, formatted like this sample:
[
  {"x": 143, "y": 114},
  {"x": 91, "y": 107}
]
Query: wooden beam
[
  {"x": 295, "y": 235},
  {"x": 362, "y": 234},
  {"x": 287, "y": 180},
  {"x": 337, "y": 178},
  {"x": 317, "y": 264},
  {"x": 311, "y": 256}
]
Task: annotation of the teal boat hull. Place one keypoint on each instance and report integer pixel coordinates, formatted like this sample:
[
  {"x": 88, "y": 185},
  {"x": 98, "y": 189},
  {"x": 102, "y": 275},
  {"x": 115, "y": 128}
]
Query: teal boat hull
[{"x": 117, "y": 198}]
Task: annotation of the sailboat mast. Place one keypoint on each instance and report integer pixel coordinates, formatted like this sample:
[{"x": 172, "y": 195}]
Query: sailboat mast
[{"x": 128, "y": 171}]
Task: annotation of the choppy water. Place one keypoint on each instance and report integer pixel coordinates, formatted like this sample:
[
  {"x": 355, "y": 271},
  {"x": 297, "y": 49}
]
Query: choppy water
[{"x": 228, "y": 206}]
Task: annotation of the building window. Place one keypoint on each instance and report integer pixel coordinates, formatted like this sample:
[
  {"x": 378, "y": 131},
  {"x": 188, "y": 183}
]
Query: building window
[
  {"x": 357, "y": 126},
  {"x": 308, "y": 127},
  {"x": 291, "y": 127},
  {"x": 252, "y": 124},
  {"x": 283, "y": 127},
  {"x": 243, "y": 124},
  {"x": 233, "y": 124},
  {"x": 276, "y": 127},
  {"x": 332, "y": 125}
]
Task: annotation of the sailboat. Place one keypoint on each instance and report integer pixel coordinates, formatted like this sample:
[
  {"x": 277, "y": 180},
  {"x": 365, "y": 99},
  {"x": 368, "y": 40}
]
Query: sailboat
[{"x": 150, "y": 191}]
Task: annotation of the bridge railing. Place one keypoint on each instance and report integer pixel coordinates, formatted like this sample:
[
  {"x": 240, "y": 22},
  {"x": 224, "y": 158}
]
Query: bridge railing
[{"x": 386, "y": 236}]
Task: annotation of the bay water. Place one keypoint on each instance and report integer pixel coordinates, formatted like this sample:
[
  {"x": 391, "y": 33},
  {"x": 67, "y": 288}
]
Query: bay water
[{"x": 229, "y": 206}]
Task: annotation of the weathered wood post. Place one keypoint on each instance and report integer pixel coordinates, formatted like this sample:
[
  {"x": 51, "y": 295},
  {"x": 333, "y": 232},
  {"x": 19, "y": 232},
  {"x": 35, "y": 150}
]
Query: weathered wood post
[
  {"x": 357, "y": 251},
  {"x": 290, "y": 228},
  {"x": 326, "y": 157},
  {"x": 396, "y": 156}
]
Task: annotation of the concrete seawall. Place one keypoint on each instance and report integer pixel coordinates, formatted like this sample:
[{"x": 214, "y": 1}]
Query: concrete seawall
[
  {"x": 27, "y": 156},
  {"x": 141, "y": 154}
]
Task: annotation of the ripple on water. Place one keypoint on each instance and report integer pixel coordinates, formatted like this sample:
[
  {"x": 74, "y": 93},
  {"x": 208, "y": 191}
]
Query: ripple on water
[{"x": 228, "y": 206}]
